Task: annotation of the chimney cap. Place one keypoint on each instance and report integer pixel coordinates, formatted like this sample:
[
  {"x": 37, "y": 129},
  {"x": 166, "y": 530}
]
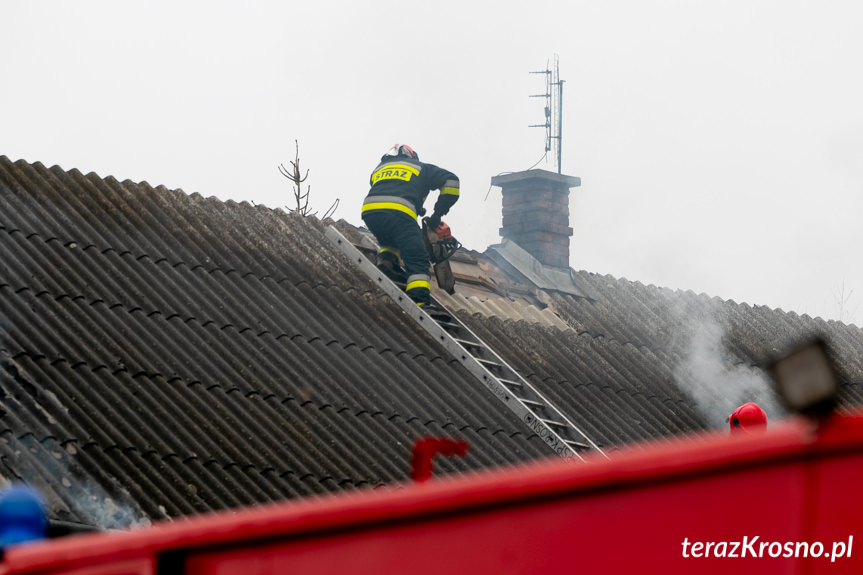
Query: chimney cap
[{"x": 569, "y": 181}]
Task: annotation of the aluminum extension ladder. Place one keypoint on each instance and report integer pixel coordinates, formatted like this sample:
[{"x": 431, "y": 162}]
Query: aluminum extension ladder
[{"x": 534, "y": 410}]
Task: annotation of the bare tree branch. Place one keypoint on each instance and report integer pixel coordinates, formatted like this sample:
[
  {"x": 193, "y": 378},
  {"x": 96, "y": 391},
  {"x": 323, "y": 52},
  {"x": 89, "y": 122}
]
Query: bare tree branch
[
  {"x": 843, "y": 301},
  {"x": 302, "y": 199},
  {"x": 332, "y": 209}
]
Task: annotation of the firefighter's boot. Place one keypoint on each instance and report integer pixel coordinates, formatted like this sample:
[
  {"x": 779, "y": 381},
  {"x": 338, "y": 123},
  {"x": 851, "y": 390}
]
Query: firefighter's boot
[
  {"x": 390, "y": 265},
  {"x": 437, "y": 313}
]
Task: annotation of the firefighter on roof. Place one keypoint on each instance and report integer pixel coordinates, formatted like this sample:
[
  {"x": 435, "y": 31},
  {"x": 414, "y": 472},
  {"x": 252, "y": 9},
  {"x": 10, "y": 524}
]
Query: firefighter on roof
[{"x": 400, "y": 185}]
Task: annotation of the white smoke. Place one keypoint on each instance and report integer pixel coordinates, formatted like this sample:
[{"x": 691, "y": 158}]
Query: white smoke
[{"x": 717, "y": 382}]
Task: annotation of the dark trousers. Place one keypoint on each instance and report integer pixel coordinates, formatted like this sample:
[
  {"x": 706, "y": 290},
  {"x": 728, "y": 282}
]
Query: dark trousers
[{"x": 398, "y": 232}]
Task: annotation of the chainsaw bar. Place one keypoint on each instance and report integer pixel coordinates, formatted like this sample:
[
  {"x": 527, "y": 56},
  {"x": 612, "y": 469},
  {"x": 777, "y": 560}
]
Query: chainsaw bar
[{"x": 439, "y": 251}]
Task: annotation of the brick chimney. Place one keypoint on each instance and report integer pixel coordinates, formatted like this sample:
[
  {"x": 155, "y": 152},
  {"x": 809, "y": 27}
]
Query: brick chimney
[{"x": 536, "y": 213}]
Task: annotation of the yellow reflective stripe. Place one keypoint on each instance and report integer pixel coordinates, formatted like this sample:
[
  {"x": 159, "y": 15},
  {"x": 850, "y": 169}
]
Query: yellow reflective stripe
[
  {"x": 382, "y": 199},
  {"x": 389, "y": 206},
  {"x": 449, "y": 191},
  {"x": 376, "y": 199},
  {"x": 418, "y": 284}
]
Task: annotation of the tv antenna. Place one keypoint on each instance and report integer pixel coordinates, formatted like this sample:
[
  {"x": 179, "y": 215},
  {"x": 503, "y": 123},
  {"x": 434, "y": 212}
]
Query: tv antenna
[{"x": 553, "y": 109}]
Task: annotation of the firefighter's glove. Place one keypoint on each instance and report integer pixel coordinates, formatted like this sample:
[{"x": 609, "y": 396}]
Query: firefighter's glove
[
  {"x": 434, "y": 221},
  {"x": 421, "y": 212}
]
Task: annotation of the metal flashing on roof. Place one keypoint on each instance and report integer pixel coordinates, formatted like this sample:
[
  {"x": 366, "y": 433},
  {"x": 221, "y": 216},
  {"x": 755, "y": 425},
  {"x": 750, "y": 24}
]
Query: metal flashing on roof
[{"x": 543, "y": 277}]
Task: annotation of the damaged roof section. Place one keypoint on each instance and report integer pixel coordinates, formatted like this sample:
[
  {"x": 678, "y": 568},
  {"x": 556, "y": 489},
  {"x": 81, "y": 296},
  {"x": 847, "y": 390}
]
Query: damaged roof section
[{"x": 483, "y": 286}]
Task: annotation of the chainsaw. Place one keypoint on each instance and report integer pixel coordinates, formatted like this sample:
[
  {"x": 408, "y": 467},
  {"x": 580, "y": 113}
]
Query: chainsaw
[{"x": 440, "y": 246}]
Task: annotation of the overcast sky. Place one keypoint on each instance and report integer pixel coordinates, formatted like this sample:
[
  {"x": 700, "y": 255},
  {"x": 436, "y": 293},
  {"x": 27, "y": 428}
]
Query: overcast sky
[{"x": 720, "y": 143}]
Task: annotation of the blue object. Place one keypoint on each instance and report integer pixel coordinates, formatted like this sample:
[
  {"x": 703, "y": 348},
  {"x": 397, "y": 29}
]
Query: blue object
[{"x": 22, "y": 515}]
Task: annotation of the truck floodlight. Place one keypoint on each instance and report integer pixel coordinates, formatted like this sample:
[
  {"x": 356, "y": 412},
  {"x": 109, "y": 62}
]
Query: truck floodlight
[{"x": 806, "y": 379}]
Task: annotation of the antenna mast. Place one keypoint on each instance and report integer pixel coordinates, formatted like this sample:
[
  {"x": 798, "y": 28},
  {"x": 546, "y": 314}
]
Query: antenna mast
[{"x": 553, "y": 110}]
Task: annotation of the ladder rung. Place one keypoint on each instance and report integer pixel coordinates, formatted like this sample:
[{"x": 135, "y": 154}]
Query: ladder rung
[
  {"x": 512, "y": 383},
  {"x": 532, "y": 402},
  {"x": 489, "y": 364},
  {"x": 577, "y": 444},
  {"x": 465, "y": 343},
  {"x": 552, "y": 422}
]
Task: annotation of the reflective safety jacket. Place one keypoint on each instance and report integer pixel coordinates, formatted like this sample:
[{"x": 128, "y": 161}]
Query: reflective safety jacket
[{"x": 401, "y": 183}]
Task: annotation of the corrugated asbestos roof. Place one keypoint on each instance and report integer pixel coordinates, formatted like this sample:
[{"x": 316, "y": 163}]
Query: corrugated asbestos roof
[
  {"x": 163, "y": 354},
  {"x": 181, "y": 354}
]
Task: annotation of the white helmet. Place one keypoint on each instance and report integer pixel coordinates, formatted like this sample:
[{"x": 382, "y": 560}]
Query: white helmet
[{"x": 403, "y": 150}]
